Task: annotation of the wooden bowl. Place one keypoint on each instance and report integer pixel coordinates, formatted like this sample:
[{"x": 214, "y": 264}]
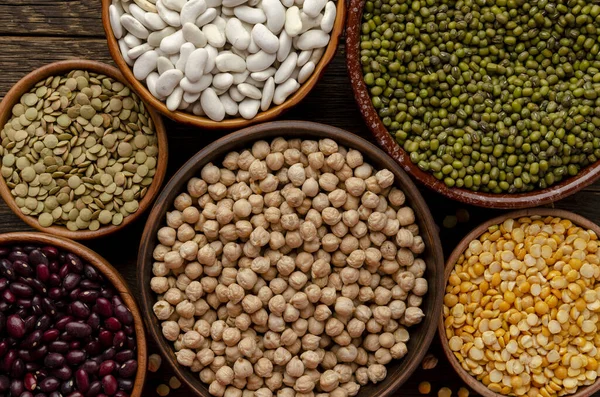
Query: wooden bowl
[
  {"x": 472, "y": 382},
  {"x": 534, "y": 198},
  {"x": 110, "y": 273},
  {"x": 227, "y": 123},
  {"x": 398, "y": 371},
  {"x": 62, "y": 67}
]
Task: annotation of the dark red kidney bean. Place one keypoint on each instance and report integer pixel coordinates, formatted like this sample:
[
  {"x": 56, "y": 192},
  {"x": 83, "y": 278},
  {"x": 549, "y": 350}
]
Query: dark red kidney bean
[
  {"x": 7, "y": 270},
  {"x": 42, "y": 373},
  {"x": 55, "y": 280},
  {"x": 119, "y": 339},
  {"x": 107, "y": 293},
  {"x": 89, "y": 285},
  {"x": 29, "y": 248},
  {"x": 109, "y": 385},
  {"x": 50, "y": 252},
  {"x": 75, "y": 357},
  {"x": 64, "y": 270},
  {"x": 54, "y": 267},
  {"x": 78, "y": 330},
  {"x": 131, "y": 342},
  {"x": 107, "y": 367},
  {"x": 37, "y": 257},
  {"x": 48, "y": 306},
  {"x": 4, "y": 383},
  {"x": 42, "y": 272},
  {"x": 91, "y": 273},
  {"x": 94, "y": 321},
  {"x": 32, "y": 340},
  {"x": 53, "y": 394},
  {"x": 4, "y": 306},
  {"x": 22, "y": 268},
  {"x": 40, "y": 352},
  {"x": 25, "y": 355},
  {"x": 128, "y": 369},
  {"x": 18, "y": 368},
  {"x": 112, "y": 324},
  {"x": 125, "y": 384},
  {"x": 55, "y": 293},
  {"x": 103, "y": 307},
  {"x": 60, "y": 324},
  {"x": 29, "y": 323},
  {"x": 129, "y": 329},
  {"x": 27, "y": 394},
  {"x": 106, "y": 338},
  {"x": 82, "y": 380},
  {"x": 124, "y": 355},
  {"x": 108, "y": 354},
  {"x": 80, "y": 309},
  {"x": 4, "y": 284},
  {"x": 30, "y": 382},
  {"x": 71, "y": 281},
  {"x": 63, "y": 373},
  {"x": 3, "y": 348},
  {"x": 88, "y": 296},
  {"x": 91, "y": 367},
  {"x": 93, "y": 348},
  {"x": 74, "y": 294},
  {"x": 49, "y": 384},
  {"x": 123, "y": 314},
  {"x": 4, "y": 251},
  {"x": 2, "y": 322},
  {"x": 76, "y": 394},
  {"x": 16, "y": 387},
  {"x": 50, "y": 335},
  {"x": 75, "y": 345},
  {"x": 74, "y": 262},
  {"x": 15, "y": 326},
  {"x": 120, "y": 393},
  {"x": 67, "y": 387},
  {"x": 95, "y": 389},
  {"x": 24, "y": 303},
  {"x": 44, "y": 322},
  {"x": 54, "y": 360},
  {"x": 17, "y": 254},
  {"x": 9, "y": 359},
  {"x": 32, "y": 367},
  {"x": 8, "y": 296},
  {"x": 58, "y": 346},
  {"x": 38, "y": 286},
  {"x": 117, "y": 301},
  {"x": 21, "y": 290}
]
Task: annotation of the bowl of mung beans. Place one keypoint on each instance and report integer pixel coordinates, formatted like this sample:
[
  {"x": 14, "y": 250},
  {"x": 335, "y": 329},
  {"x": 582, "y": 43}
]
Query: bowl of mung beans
[
  {"x": 82, "y": 155},
  {"x": 520, "y": 311},
  {"x": 492, "y": 104},
  {"x": 291, "y": 258}
]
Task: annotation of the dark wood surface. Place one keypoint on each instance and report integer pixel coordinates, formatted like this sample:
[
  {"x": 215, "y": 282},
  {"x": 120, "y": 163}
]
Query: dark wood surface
[{"x": 36, "y": 32}]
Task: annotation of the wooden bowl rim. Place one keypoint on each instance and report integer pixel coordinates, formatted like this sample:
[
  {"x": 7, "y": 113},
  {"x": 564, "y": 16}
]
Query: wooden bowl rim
[
  {"x": 269, "y": 131},
  {"x": 111, "y": 274},
  {"x": 61, "y": 67},
  {"x": 458, "y": 251},
  {"x": 569, "y": 186},
  {"x": 232, "y": 123}
]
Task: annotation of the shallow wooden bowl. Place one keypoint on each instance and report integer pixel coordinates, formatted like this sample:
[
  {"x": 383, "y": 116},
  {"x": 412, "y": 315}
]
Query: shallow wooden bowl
[
  {"x": 535, "y": 198},
  {"x": 472, "y": 382},
  {"x": 421, "y": 335},
  {"x": 110, "y": 273},
  {"x": 228, "y": 123},
  {"x": 59, "y": 68}
]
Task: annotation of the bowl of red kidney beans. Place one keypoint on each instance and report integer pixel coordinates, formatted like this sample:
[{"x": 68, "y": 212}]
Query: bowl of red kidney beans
[{"x": 69, "y": 325}]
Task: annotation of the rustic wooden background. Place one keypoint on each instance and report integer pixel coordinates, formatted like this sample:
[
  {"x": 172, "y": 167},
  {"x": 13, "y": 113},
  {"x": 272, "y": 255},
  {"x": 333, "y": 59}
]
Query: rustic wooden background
[{"x": 36, "y": 32}]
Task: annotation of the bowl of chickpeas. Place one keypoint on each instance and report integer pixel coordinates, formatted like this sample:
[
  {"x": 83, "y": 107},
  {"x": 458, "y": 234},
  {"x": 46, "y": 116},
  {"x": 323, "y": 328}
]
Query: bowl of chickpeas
[
  {"x": 521, "y": 305},
  {"x": 292, "y": 259}
]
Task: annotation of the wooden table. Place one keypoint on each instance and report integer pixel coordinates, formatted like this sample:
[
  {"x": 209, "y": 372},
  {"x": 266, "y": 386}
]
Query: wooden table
[{"x": 36, "y": 32}]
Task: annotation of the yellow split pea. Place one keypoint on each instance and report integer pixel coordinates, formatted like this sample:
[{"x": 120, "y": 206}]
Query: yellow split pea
[{"x": 521, "y": 307}]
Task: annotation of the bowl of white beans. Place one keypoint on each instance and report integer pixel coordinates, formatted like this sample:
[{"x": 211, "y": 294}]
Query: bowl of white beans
[
  {"x": 291, "y": 259},
  {"x": 222, "y": 64}
]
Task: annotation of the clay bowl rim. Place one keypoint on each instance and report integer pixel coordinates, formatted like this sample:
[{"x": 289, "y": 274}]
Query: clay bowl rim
[
  {"x": 569, "y": 186},
  {"x": 113, "y": 277},
  {"x": 62, "y": 67},
  {"x": 457, "y": 252},
  {"x": 423, "y": 333},
  {"x": 231, "y": 123}
]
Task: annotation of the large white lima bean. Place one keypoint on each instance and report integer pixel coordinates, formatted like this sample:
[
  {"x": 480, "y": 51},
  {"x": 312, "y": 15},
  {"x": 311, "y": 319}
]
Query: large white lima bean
[{"x": 222, "y": 58}]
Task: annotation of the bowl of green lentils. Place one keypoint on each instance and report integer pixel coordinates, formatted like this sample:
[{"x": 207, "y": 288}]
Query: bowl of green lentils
[
  {"x": 81, "y": 155},
  {"x": 494, "y": 103}
]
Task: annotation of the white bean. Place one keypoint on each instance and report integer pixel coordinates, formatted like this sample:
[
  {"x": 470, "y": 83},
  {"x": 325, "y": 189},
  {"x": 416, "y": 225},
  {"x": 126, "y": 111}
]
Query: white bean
[
  {"x": 154, "y": 21},
  {"x": 293, "y": 21},
  {"x": 135, "y": 52},
  {"x": 222, "y": 81},
  {"x": 184, "y": 53},
  {"x": 167, "y": 81},
  {"x": 213, "y": 35},
  {"x": 207, "y": 17},
  {"x": 250, "y": 15},
  {"x": 146, "y": 5},
  {"x": 249, "y": 91},
  {"x": 235, "y": 94},
  {"x": 174, "y": 100},
  {"x": 114, "y": 14},
  {"x": 312, "y": 39},
  {"x": 285, "y": 46},
  {"x": 155, "y": 38},
  {"x": 263, "y": 75},
  {"x": 138, "y": 14},
  {"x": 228, "y": 62},
  {"x": 304, "y": 57},
  {"x": 305, "y": 72},
  {"x": 163, "y": 64},
  {"x": 189, "y": 97},
  {"x": 248, "y": 108},
  {"x": 123, "y": 48},
  {"x": 308, "y": 22},
  {"x": 275, "y": 12},
  {"x": 192, "y": 10},
  {"x": 132, "y": 41},
  {"x": 197, "y": 109},
  {"x": 227, "y": 11},
  {"x": 194, "y": 35},
  {"x": 253, "y": 48},
  {"x": 265, "y": 39},
  {"x": 183, "y": 105},
  {"x": 212, "y": 56},
  {"x": 316, "y": 55},
  {"x": 328, "y": 17},
  {"x": 283, "y": 91},
  {"x": 175, "y": 5},
  {"x": 214, "y": 3},
  {"x": 197, "y": 87},
  {"x": 260, "y": 61},
  {"x": 172, "y": 43},
  {"x": 220, "y": 23},
  {"x": 239, "y": 78},
  {"x": 145, "y": 64},
  {"x": 286, "y": 68},
  {"x": 196, "y": 62},
  {"x": 174, "y": 58},
  {"x": 267, "y": 94},
  {"x": 151, "y": 83},
  {"x": 236, "y": 34},
  {"x": 169, "y": 16},
  {"x": 231, "y": 106},
  {"x": 233, "y": 3},
  {"x": 312, "y": 8},
  {"x": 254, "y": 83},
  {"x": 287, "y": 3},
  {"x": 211, "y": 105},
  {"x": 134, "y": 26}
]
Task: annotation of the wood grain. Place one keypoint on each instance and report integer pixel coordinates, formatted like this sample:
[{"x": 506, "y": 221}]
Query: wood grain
[{"x": 36, "y": 32}]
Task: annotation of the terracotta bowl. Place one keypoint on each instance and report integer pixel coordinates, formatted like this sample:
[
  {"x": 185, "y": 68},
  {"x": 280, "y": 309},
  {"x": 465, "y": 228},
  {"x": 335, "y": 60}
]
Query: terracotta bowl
[
  {"x": 472, "y": 382},
  {"x": 227, "y": 123},
  {"x": 535, "y": 198},
  {"x": 112, "y": 276},
  {"x": 421, "y": 335},
  {"x": 59, "y": 68}
]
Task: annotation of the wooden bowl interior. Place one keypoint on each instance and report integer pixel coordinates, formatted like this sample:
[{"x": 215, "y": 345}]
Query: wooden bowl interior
[
  {"x": 535, "y": 198},
  {"x": 422, "y": 334},
  {"x": 111, "y": 274},
  {"x": 63, "y": 67},
  {"x": 458, "y": 251},
  {"x": 233, "y": 123}
]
